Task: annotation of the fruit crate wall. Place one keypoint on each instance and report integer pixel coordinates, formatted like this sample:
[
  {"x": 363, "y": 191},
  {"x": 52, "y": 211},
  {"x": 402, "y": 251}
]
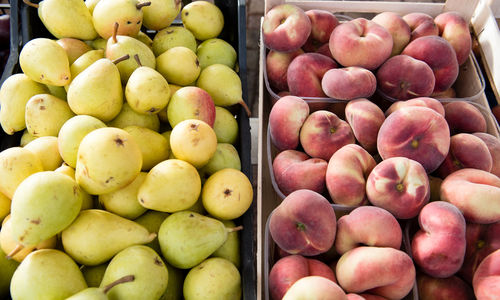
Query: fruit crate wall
[
  {"x": 267, "y": 198},
  {"x": 26, "y": 25}
]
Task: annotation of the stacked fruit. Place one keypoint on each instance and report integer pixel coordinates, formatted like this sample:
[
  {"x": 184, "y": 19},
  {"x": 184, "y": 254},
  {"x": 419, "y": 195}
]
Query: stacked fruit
[
  {"x": 126, "y": 183},
  {"x": 357, "y": 178}
]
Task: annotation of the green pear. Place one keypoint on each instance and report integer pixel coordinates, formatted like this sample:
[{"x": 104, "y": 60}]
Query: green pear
[
  {"x": 173, "y": 36},
  {"x": 225, "y": 126},
  {"x": 15, "y": 92},
  {"x": 94, "y": 293},
  {"x": 214, "y": 279},
  {"x": 26, "y": 138},
  {"x": 71, "y": 134},
  {"x": 120, "y": 45},
  {"x": 151, "y": 274},
  {"x": 187, "y": 238},
  {"x": 179, "y": 65},
  {"x": 170, "y": 186},
  {"x": 93, "y": 274},
  {"x": 47, "y": 151},
  {"x": 97, "y": 91},
  {"x": 123, "y": 202},
  {"x": 216, "y": 51},
  {"x": 45, "y": 114},
  {"x": 90, "y": 5},
  {"x": 129, "y": 117},
  {"x": 45, "y": 61},
  {"x": 230, "y": 250},
  {"x": 147, "y": 91},
  {"x": 43, "y": 205},
  {"x": 223, "y": 84},
  {"x": 85, "y": 60},
  {"x": 87, "y": 199},
  {"x": 127, "y": 13},
  {"x": 154, "y": 146},
  {"x": 143, "y": 37},
  {"x": 16, "y": 164},
  {"x": 226, "y": 156},
  {"x": 74, "y": 48},
  {"x": 198, "y": 205},
  {"x": 7, "y": 268},
  {"x": 47, "y": 274},
  {"x": 99, "y": 44},
  {"x": 161, "y": 13},
  {"x": 57, "y": 91},
  {"x": 175, "y": 282},
  {"x": 152, "y": 220},
  {"x": 97, "y": 235},
  {"x": 67, "y": 19},
  {"x": 108, "y": 159},
  {"x": 204, "y": 19}
]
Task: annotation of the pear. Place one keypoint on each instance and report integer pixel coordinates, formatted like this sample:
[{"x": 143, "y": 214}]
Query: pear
[
  {"x": 99, "y": 44},
  {"x": 225, "y": 126},
  {"x": 170, "y": 186},
  {"x": 147, "y": 91},
  {"x": 87, "y": 200},
  {"x": 175, "y": 282},
  {"x": 97, "y": 91},
  {"x": 214, "y": 279},
  {"x": 45, "y": 61},
  {"x": 143, "y": 37},
  {"x": 123, "y": 202},
  {"x": 85, "y": 60},
  {"x": 179, "y": 65},
  {"x": 108, "y": 159},
  {"x": 127, "y": 13},
  {"x": 194, "y": 141},
  {"x": 16, "y": 164},
  {"x": 187, "y": 238},
  {"x": 58, "y": 91},
  {"x": 74, "y": 48},
  {"x": 15, "y": 92},
  {"x": 163, "y": 114},
  {"x": 120, "y": 45},
  {"x": 66, "y": 18},
  {"x": 230, "y": 250},
  {"x": 71, "y": 134},
  {"x": 204, "y": 19},
  {"x": 198, "y": 205},
  {"x": 152, "y": 220},
  {"x": 97, "y": 235},
  {"x": 7, "y": 269},
  {"x": 129, "y": 117},
  {"x": 216, "y": 51},
  {"x": 190, "y": 102},
  {"x": 226, "y": 156},
  {"x": 223, "y": 84},
  {"x": 227, "y": 194},
  {"x": 173, "y": 36},
  {"x": 47, "y": 151},
  {"x": 91, "y": 4},
  {"x": 26, "y": 138},
  {"x": 154, "y": 146},
  {"x": 43, "y": 205},
  {"x": 94, "y": 293},
  {"x": 4, "y": 207},
  {"x": 46, "y": 274},
  {"x": 15, "y": 250},
  {"x": 161, "y": 13},
  {"x": 93, "y": 274},
  {"x": 45, "y": 114}
]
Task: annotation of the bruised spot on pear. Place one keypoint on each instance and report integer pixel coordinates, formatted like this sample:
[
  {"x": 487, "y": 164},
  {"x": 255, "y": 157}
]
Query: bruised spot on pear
[
  {"x": 227, "y": 192},
  {"x": 119, "y": 142},
  {"x": 158, "y": 262},
  {"x": 37, "y": 221}
]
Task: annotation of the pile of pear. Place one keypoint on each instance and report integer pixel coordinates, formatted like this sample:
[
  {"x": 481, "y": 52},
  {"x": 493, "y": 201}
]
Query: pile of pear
[{"x": 127, "y": 183}]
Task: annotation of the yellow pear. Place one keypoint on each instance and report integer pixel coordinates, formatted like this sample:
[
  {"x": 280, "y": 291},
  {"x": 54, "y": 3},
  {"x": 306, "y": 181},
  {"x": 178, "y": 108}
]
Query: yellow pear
[
  {"x": 45, "y": 114},
  {"x": 204, "y": 19},
  {"x": 4, "y": 206},
  {"x": 152, "y": 220},
  {"x": 58, "y": 91},
  {"x": 225, "y": 126},
  {"x": 16, "y": 164},
  {"x": 129, "y": 117},
  {"x": 85, "y": 60},
  {"x": 123, "y": 202},
  {"x": 216, "y": 51},
  {"x": 154, "y": 146},
  {"x": 47, "y": 151},
  {"x": 87, "y": 200},
  {"x": 161, "y": 13},
  {"x": 74, "y": 48},
  {"x": 147, "y": 91},
  {"x": 26, "y": 138},
  {"x": 127, "y": 13},
  {"x": 144, "y": 37},
  {"x": 173, "y": 36},
  {"x": 230, "y": 250},
  {"x": 179, "y": 65}
]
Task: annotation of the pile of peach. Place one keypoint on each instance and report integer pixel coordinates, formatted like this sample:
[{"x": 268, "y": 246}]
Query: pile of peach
[{"x": 313, "y": 54}]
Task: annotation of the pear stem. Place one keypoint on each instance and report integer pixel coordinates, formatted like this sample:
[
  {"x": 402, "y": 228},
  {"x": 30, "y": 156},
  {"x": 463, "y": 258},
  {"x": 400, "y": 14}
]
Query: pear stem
[
  {"x": 140, "y": 5},
  {"x": 124, "y": 279},
  {"x": 245, "y": 106},
  {"x": 115, "y": 32},
  {"x": 27, "y": 2},
  {"x": 136, "y": 57},
  {"x": 151, "y": 237},
  {"x": 237, "y": 228},
  {"x": 120, "y": 59},
  {"x": 14, "y": 251}
]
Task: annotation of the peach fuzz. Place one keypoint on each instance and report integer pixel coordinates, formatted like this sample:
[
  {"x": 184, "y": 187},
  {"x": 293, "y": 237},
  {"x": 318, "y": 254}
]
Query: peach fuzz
[
  {"x": 361, "y": 42},
  {"x": 397, "y": 27},
  {"x": 382, "y": 271},
  {"x": 346, "y": 175},
  {"x": 315, "y": 288},
  {"x": 453, "y": 28},
  {"x": 286, "y": 118},
  {"x": 438, "y": 248},
  {"x": 421, "y": 24},
  {"x": 486, "y": 281},
  {"x": 348, "y": 83},
  {"x": 305, "y": 73},
  {"x": 466, "y": 151},
  {"x": 276, "y": 67},
  {"x": 323, "y": 133},
  {"x": 304, "y": 223},
  {"x": 403, "y": 77},
  {"x": 443, "y": 288},
  {"x": 418, "y": 133},
  {"x": 493, "y": 144},
  {"x": 475, "y": 192},
  {"x": 322, "y": 24},
  {"x": 294, "y": 170},
  {"x": 285, "y": 27},
  {"x": 365, "y": 118},
  {"x": 368, "y": 226},
  {"x": 420, "y": 101},
  {"x": 464, "y": 117}
]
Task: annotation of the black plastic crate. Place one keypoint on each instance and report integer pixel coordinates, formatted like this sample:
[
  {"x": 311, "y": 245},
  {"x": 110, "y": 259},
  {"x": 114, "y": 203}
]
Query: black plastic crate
[{"x": 26, "y": 25}]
